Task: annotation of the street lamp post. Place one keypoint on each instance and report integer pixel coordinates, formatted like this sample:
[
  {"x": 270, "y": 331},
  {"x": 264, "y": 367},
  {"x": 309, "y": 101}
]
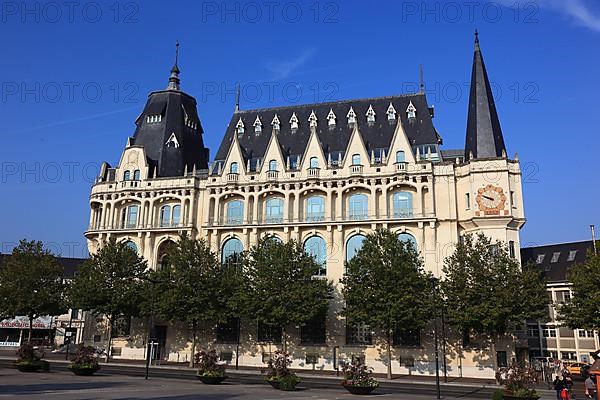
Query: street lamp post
[
  {"x": 435, "y": 336},
  {"x": 151, "y": 333}
]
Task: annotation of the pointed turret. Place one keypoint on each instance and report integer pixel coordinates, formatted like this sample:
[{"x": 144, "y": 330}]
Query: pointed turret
[
  {"x": 174, "y": 78},
  {"x": 484, "y": 136}
]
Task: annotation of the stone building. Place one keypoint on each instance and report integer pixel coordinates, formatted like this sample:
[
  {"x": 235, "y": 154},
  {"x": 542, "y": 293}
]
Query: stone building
[
  {"x": 324, "y": 175},
  {"x": 549, "y": 338}
]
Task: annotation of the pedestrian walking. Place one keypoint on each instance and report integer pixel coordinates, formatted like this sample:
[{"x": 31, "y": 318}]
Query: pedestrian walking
[{"x": 590, "y": 387}]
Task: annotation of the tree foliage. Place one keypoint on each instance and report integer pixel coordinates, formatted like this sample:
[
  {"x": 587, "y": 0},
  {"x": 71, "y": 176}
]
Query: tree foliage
[
  {"x": 583, "y": 312},
  {"x": 386, "y": 287},
  {"x": 110, "y": 283},
  {"x": 487, "y": 292},
  {"x": 31, "y": 283},
  {"x": 280, "y": 285}
]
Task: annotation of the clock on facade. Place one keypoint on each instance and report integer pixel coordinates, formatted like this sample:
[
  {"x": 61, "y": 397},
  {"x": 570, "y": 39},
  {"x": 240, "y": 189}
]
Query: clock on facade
[{"x": 491, "y": 200}]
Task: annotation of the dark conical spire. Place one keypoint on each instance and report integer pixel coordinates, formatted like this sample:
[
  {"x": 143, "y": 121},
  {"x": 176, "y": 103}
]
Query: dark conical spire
[
  {"x": 174, "y": 78},
  {"x": 484, "y": 135}
]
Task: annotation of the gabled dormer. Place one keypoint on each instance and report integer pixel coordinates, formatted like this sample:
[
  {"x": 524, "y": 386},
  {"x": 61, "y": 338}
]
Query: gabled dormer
[
  {"x": 274, "y": 162},
  {"x": 239, "y": 127},
  {"x": 331, "y": 118},
  {"x": 351, "y": 116},
  {"x": 234, "y": 166},
  {"x": 356, "y": 154},
  {"x": 276, "y": 123},
  {"x": 133, "y": 167},
  {"x": 391, "y": 112},
  {"x": 257, "y": 125},
  {"x": 312, "y": 120},
  {"x": 314, "y": 157},
  {"x": 370, "y": 114},
  {"x": 411, "y": 111},
  {"x": 294, "y": 121},
  {"x": 400, "y": 152}
]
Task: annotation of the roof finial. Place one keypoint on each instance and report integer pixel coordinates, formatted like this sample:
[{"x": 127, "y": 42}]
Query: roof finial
[
  {"x": 237, "y": 97},
  {"x": 174, "y": 78},
  {"x": 476, "y": 38},
  {"x": 421, "y": 81}
]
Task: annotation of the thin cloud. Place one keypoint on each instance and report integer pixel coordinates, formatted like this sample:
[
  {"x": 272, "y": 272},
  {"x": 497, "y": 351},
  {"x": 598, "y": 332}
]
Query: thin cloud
[
  {"x": 578, "y": 11},
  {"x": 283, "y": 69}
]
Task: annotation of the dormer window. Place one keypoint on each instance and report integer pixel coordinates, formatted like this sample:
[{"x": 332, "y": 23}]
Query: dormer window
[
  {"x": 276, "y": 123},
  {"x": 312, "y": 120},
  {"x": 153, "y": 119},
  {"x": 400, "y": 156},
  {"x": 370, "y": 114},
  {"x": 411, "y": 111},
  {"x": 294, "y": 121},
  {"x": 257, "y": 125},
  {"x": 331, "y": 118},
  {"x": 172, "y": 142},
  {"x": 351, "y": 116},
  {"x": 391, "y": 113},
  {"x": 273, "y": 165},
  {"x": 239, "y": 127},
  {"x": 356, "y": 159},
  {"x": 233, "y": 168},
  {"x": 127, "y": 175},
  {"x": 314, "y": 162}
]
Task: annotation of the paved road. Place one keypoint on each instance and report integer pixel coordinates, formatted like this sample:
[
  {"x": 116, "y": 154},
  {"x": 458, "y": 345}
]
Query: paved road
[{"x": 66, "y": 386}]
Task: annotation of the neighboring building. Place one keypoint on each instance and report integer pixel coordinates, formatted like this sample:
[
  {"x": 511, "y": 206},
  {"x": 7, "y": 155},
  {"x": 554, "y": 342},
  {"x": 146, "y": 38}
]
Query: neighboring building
[
  {"x": 550, "y": 339},
  {"x": 47, "y": 330},
  {"x": 324, "y": 175}
]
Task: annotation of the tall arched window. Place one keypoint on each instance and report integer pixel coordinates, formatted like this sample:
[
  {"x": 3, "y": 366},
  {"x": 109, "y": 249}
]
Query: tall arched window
[
  {"x": 126, "y": 175},
  {"x": 358, "y": 206},
  {"x": 235, "y": 212},
  {"x": 273, "y": 165},
  {"x": 163, "y": 254},
  {"x": 231, "y": 252},
  {"x": 316, "y": 247},
  {"x": 233, "y": 168},
  {"x": 176, "y": 215},
  {"x": 355, "y": 159},
  {"x": 136, "y": 175},
  {"x": 129, "y": 216},
  {"x": 400, "y": 156},
  {"x": 408, "y": 238},
  {"x": 403, "y": 205},
  {"x": 314, "y": 162},
  {"x": 165, "y": 216},
  {"x": 315, "y": 208},
  {"x": 274, "y": 211},
  {"x": 353, "y": 245}
]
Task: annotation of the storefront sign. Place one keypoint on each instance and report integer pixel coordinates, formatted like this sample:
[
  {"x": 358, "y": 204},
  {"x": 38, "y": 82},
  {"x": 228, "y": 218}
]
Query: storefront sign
[
  {"x": 9, "y": 344},
  {"x": 23, "y": 323}
]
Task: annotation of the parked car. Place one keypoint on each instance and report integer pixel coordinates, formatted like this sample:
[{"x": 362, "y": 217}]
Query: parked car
[{"x": 576, "y": 367}]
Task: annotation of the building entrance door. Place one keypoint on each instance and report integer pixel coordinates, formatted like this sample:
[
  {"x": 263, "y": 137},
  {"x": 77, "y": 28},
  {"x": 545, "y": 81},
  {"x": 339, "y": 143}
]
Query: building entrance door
[{"x": 161, "y": 338}]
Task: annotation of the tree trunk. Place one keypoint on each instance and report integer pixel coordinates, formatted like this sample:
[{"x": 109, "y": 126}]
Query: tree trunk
[
  {"x": 284, "y": 337},
  {"x": 109, "y": 339},
  {"x": 194, "y": 329},
  {"x": 30, "y": 329},
  {"x": 389, "y": 354},
  {"x": 493, "y": 355}
]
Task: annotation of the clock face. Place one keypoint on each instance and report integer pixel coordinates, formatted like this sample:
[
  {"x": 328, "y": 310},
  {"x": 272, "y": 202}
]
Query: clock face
[{"x": 491, "y": 199}]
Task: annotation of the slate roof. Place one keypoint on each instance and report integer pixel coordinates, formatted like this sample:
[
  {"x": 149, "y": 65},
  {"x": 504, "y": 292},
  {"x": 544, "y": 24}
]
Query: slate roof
[
  {"x": 556, "y": 272},
  {"x": 453, "y": 154},
  {"x": 70, "y": 265},
  {"x": 484, "y": 136},
  {"x": 377, "y": 135}
]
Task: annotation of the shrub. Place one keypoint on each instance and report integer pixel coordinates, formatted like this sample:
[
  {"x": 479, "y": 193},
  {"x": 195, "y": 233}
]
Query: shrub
[
  {"x": 498, "y": 395},
  {"x": 85, "y": 357},
  {"x": 28, "y": 354},
  {"x": 278, "y": 370},
  {"x": 208, "y": 364},
  {"x": 519, "y": 380},
  {"x": 358, "y": 374}
]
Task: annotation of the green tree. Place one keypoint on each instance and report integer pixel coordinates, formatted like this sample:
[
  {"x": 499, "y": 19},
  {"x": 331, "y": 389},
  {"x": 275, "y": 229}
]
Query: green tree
[
  {"x": 280, "y": 287},
  {"x": 584, "y": 310},
  {"x": 195, "y": 288},
  {"x": 386, "y": 287},
  {"x": 31, "y": 283},
  {"x": 110, "y": 283},
  {"x": 487, "y": 292}
]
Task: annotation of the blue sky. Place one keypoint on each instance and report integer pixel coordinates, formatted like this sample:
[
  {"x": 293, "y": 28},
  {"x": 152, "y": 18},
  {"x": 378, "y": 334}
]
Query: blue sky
[{"x": 74, "y": 78}]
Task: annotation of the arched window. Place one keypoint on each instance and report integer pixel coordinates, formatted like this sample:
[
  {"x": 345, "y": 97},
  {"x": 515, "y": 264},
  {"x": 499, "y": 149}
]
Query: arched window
[
  {"x": 131, "y": 245},
  {"x": 235, "y": 212},
  {"x": 233, "y": 168},
  {"x": 176, "y": 215},
  {"x": 358, "y": 206},
  {"x": 274, "y": 239},
  {"x": 403, "y": 205},
  {"x": 355, "y": 159},
  {"x": 129, "y": 216},
  {"x": 353, "y": 245},
  {"x": 314, "y": 162},
  {"x": 315, "y": 208},
  {"x": 274, "y": 211},
  {"x": 231, "y": 252},
  {"x": 408, "y": 238},
  {"x": 273, "y": 165},
  {"x": 163, "y": 254},
  {"x": 400, "y": 156},
  {"x": 316, "y": 247},
  {"x": 127, "y": 175},
  {"x": 165, "y": 216},
  {"x": 136, "y": 175}
]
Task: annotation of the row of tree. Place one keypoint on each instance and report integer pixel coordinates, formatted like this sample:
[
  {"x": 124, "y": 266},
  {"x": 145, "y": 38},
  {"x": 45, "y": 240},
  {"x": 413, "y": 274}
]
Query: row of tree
[{"x": 484, "y": 291}]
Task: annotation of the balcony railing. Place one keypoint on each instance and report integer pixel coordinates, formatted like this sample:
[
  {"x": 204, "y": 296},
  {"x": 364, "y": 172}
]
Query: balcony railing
[
  {"x": 356, "y": 169},
  {"x": 130, "y": 184},
  {"x": 274, "y": 220},
  {"x": 401, "y": 166},
  {"x": 272, "y": 175},
  {"x": 358, "y": 215},
  {"x": 233, "y": 177},
  {"x": 313, "y": 172},
  {"x": 317, "y": 217}
]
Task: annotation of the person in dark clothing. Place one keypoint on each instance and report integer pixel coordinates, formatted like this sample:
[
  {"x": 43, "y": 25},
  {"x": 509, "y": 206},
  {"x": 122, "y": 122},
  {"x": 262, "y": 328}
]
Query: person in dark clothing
[{"x": 559, "y": 385}]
